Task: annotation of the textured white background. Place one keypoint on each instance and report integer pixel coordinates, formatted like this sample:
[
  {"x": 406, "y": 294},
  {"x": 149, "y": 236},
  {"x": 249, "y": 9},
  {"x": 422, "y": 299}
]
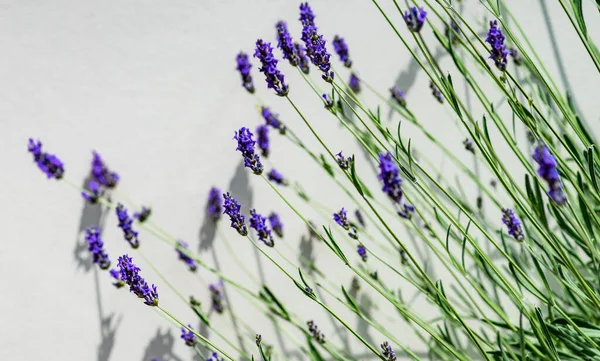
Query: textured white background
[{"x": 151, "y": 85}]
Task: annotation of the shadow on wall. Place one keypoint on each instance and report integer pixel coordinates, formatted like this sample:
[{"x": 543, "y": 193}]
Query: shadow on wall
[{"x": 161, "y": 347}]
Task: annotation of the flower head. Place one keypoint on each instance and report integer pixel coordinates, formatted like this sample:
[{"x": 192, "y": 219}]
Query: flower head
[
  {"x": 262, "y": 137},
  {"x": 341, "y": 218},
  {"x": 343, "y": 162},
  {"x": 407, "y": 211},
  {"x": 232, "y": 208},
  {"x": 188, "y": 336},
  {"x": 514, "y": 54},
  {"x": 214, "y": 205},
  {"x": 285, "y": 43},
  {"x": 216, "y": 296},
  {"x": 387, "y": 351},
  {"x": 362, "y": 252},
  {"x": 272, "y": 119},
  {"x": 48, "y": 163},
  {"x": 143, "y": 215},
  {"x": 341, "y": 48},
  {"x": 259, "y": 223},
  {"x": 93, "y": 192},
  {"x": 389, "y": 175},
  {"x": 102, "y": 174},
  {"x": 315, "y": 332},
  {"x": 129, "y": 273},
  {"x": 514, "y": 225},
  {"x": 314, "y": 42},
  {"x": 415, "y": 18},
  {"x": 118, "y": 283},
  {"x": 548, "y": 171},
  {"x": 304, "y": 61},
  {"x": 181, "y": 249},
  {"x": 306, "y": 14},
  {"x": 276, "y": 177},
  {"x": 496, "y": 38},
  {"x": 273, "y": 77},
  {"x": 244, "y": 66},
  {"x": 328, "y": 102},
  {"x": 96, "y": 247},
  {"x": 246, "y": 147},
  {"x": 276, "y": 224},
  {"x": 398, "y": 96},
  {"x": 214, "y": 357},
  {"x": 125, "y": 222},
  {"x": 354, "y": 83},
  {"x": 435, "y": 91}
]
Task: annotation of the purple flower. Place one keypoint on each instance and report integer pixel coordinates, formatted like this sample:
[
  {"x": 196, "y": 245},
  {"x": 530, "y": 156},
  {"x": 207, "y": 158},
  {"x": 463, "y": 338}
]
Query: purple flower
[
  {"x": 48, "y": 163},
  {"x": 436, "y": 92},
  {"x": 214, "y": 357},
  {"x": 244, "y": 66},
  {"x": 468, "y": 143},
  {"x": 407, "y": 211},
  {"x": 341, "y": 218},
  {"x": 117, "y": 276},
  {"x": 548, "y": 171},
  {"x": 246, "y": 147},
  {"x": 387, "y": 351},
  {"x": 315, "y": 332},
  {"x": 273, "y": 77},
  {"x": 304, "y": 61},
  {"x": 102, "y": 174},
  {"x": 188, "y": 336},
  {"x": 354, "y": 83},
  {"x": 415, "y": 18},
  {"x": 514, "y": 54},
  {"x": 276, "y": 224},
  {"x": 314, "y": 42},
  {"x": 216, "y": 296},
  {"x": 276, "y": 177},
  {"x": 96, "y": 247},
  {"x": 232, "y": 209},
  {"x": 259, "y": 223},
  {"x": 262, "y": 137},
  {"x": 344, "y": 163},
  {"x": 285, "y": 43},
  {"x": 272, "y": 119},
  {"x": 360, "y": 218},
  {"x": 398, "y": 96},
  {"x": 125, "y": 222},
  {"x": 129, "y": 273},
  {"x": 93, "y": 193},
  {"x": 498, "y": 52},
  {"x": 181, "y": 249},
  {"x": 341, "y": 48},
  {"x": 143, "y": 215},
  {"x": 214, "y": 205},
  {"x": 514, "y": 225},
  {"x": 362, "y": 252},
  {"x": 328, "y": 102},
  {"x": 389, "y": 175}
]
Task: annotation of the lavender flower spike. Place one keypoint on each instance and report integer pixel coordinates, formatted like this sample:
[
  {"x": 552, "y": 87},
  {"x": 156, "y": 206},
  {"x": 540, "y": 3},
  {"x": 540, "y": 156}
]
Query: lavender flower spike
[
  {"x": 244, "y": 66},
  {"x": 341, "y": 48},
  {"x": 315, "y": 332},
  {"x": 285, "y": 43},
  {"x": 214, "y": 205},
  {"x": 180, "y": 248},
  {"x": 214, "y": 357},
  {"x": 362, "y": 252},
  {"x": 343, "y": 162},
  {"x": 276, "y": 224},
  {"x": 389, "y": 175},
  {"x": 129, "y": 273},
  {"x": 93, "y": 192},
  {"x": 216, "y": 296},
  {"x": 188, "y": 336},
  {"x": 96, "y": 247},
  {"x": 262, "y": 137},
  {"x": 548, "y": 171},
  {"x": 496, "y": 38},
  {"x": 125, "y": 222},
  {"x": 276, "y": 177},
  {"x": 259, "y": 223},
  {"x": 48, "y": 163},
  {"x": 102, "y": 174},
  {"x": 398, "y": 96},
  {"x": 143, "y": 215},
  {"x": 306, "y": 14},
  {"x": 304, "y": 61},
  {"x": 415, "y": 18},
  {"x": 341, "y": 218},
  {"x": 274, "y": 78},
  {"x": 232, "y": 209},
  {"x": 387, "y": 351},
  {"x": 514, "y": 225},
  {"x": 246, "y": 147},
  {"x": 315, "y": 44},
  {"x": 272, "y": 119},
  {"x": 328, "y": 102},
  {"x": 354, "y": 83}
]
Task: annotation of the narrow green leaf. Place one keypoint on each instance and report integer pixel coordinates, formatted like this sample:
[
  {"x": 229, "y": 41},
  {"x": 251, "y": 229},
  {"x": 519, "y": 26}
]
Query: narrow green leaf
[
  {"x": 351, "y": 302},
  {"x": 591, "y": 167},
  {"x": 578, "y": 10}
]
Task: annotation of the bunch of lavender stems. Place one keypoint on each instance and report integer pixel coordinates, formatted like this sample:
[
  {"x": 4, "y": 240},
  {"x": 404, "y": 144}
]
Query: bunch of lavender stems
[{"x": 525, "y": 285}]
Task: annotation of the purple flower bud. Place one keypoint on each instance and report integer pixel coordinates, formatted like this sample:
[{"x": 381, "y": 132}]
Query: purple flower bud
[
  {"x": 246, "y": 147},
  {"x": 181, "y": 249},
  {"x": 387, "y": 351},
  {"x": 362, "y": 252},
  {"x": 315, "y": 332},
  {"x": 129, "y": 273},
  {"x": 259, "y": 223},
  {"x": 232, "y": 209},
  {"x": 354, "y": 83},
  {"x": 407, "y": 211},
  {"x": 548, "y": 171},
  {"x": 389, "y": 175},
  {"x": 468, "y": 143},
  {"x": 341, "y": 218},
  {"x": 214, "y": 357},
  {"x": 304, "y": 61},
  {"x": 118, "y": 283},
  {"x": 216, "y": 296},
  {"x": 125, "y": 223},
  {"x": 276, "y": 177},
  {"x": 314, "y": 42},
  {"x": 273, "y": 77},
  {"x": 496, "y": 38},
  {"x": 341, "y": 48},
  {"x": 398, "y": 96},
  {"x": 328, "y": 102},
  {"x": 514, "y": 54},
  {"x": 436, "y": 92},
  {"x": 214, "y": 205},
  {"x": 93, "y": 193},
  {"x": 96, "y": 247},
  {"x": 285, "y": 43},
  {"x": 143, "y": 215},
  {"x": 102, "y": 174},
  {"x": 188, "y": 336},
  {"x": 306, "y": 14},
  {"x": 272, "y": 120},
  {"x": 514, "y": 225},
  {"x": 276, "y": 224},
  {"x": 415, "y": 18},
  {"x": 262, "y": 137},
  {"x": 344, "y": 163},
  {"x": 244, "y": 66},
  {"x": 48, "y": 163}
]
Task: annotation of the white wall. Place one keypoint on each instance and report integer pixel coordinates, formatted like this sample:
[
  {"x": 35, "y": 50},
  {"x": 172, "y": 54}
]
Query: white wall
[{"x": 151, "y": 85}]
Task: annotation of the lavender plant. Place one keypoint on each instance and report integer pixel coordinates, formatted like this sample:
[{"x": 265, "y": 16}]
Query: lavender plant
[{"x": 520, "y": 279}]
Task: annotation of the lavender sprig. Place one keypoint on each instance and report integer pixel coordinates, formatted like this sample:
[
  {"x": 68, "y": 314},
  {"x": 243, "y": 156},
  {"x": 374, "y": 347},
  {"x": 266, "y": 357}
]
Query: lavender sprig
[
  {"x": 246, "y": 147},
  {"x": 262, "y": 138},
  {"x": 46, "y": 162},
  {"x": 389, "y": 175},
  {"x": 341, "y": 48},
  {"x": 415, "y": 18},
  {"x": 259, "y": 223},
  {"x": 125, "y": 222},
  {"x": 96, "y": 247},
  {"x": 398, "y": 96},
  {"x": 129, "y": 273},
  {"x": 102, "y": 174},
  {"x": 181, "y": 249},
  {"x": 276, "y": 177},
  {"x": 285, "y": 43},
  {"x": 498, "y": 52},
  {"x": 214, "y": 205},
  {"x": 514, "y": 225},
  {"x": 315, "y": 43},
  {"x": 93, "y": 193},
  {"x": 272, "y": 119},
  {"x": 549, "y": 172},
  {"x": 244, "y": 66},
  {"x": 274, "y": 78},
  {"x": 232, "y": 208},
  {"x": 354, "y": 83},
  {"x": 315, "y": 332},
  {"x": 188, "y": 336},
  {"x": 276, "y": 224}
]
